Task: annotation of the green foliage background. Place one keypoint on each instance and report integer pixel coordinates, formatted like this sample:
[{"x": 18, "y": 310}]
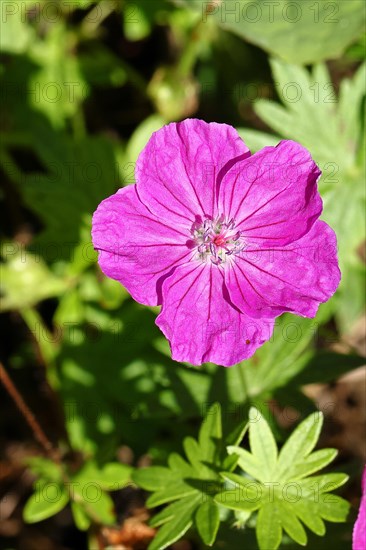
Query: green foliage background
[{"x": 84, "y": 84}]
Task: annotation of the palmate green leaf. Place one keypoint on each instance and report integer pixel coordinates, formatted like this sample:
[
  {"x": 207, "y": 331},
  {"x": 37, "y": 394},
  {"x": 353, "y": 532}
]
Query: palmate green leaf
[
  {"x": 261, "y": 462},
  {"x": 232, "y": 440},
  {"x": 245, "y": 496},
  {"x": 233, "y": 501},
  {"x": 189, "y": 485},
  {"x": 309, "y": 100},
  {"x": 247, "y": 461},
  {"x": 288, "y": 29},
  {"x": 279, "y": 487},
  {"x": 194, "y": 454}
]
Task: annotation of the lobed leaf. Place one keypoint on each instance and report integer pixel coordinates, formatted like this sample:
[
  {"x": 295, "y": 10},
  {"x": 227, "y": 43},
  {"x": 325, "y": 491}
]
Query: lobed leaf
[
  {"x": 174, "y": 530},
  {"x": 268, "y": 527},
  {"x": 262, "y": 443},
  {"x": 207, "y": 521},
  {"x": 299, "y": 445}
]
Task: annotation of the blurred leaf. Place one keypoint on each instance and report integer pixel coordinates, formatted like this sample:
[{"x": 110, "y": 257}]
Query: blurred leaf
[
  {"x": 139, "y": 16},
  {"x": 26, "y": 280},
  {"x": 110, "y": 477},
  {"x": 79, "y": 174},
  {"x": 97, "y": 504},
  {"x": 138, "y": 140},
  {"x": 278, "y": 360},
  {"x": 351, "y": 301},
  {"x": 81, "y": 4},
  {"x": 58, "y": 85},
  {"x": 15, "y": 33},
  {"x": 136, "y": 22},
  {"x": 45, "y": 468},
  {"x": 174, "y": 93},
  {"x": 82, "y": 521},
  {"x": 45, "y": 503},
  {"x": 154, "y": 478},
  {"x": 256, "y": 140},
  {"x": 100, "y": 67},
  {"x": 287, "y": 28},
  {"x": 114, "y": 475},
  {"x": 326, "y": 366}
]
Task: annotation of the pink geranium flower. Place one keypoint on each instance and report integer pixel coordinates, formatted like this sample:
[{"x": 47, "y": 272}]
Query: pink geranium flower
[
  {"x": 359, "y": 531},
  {"x": 223, "y": 240}
]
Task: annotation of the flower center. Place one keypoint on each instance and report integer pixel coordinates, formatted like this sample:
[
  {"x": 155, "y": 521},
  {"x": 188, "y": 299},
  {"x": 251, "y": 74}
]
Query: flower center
[{"x": 216, "y": 239}]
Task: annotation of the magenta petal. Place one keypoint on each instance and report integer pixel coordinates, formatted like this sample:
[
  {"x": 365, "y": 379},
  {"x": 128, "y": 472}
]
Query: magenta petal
[
  {"x": 201, "y": 323},
  {"x": 273, "y": 194},
  {"x": 224, "y": 241},
  {"x": 296, "y": 277},
  {"x": 359, "y": 531},
  {"x": 135, "y": 247},
  {"x": 177, "y": 171}
]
